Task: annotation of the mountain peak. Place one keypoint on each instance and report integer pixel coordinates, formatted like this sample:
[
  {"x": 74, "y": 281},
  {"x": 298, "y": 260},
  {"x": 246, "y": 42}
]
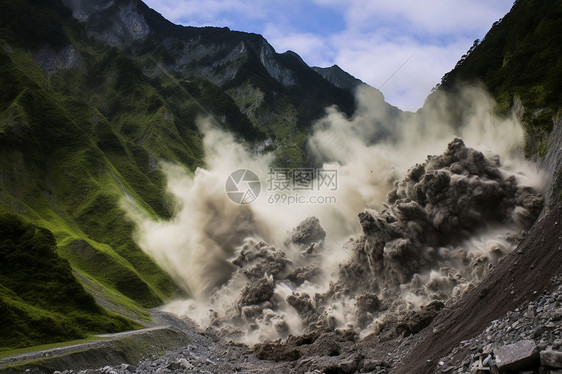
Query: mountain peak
[{"x": 338, "y": 77}]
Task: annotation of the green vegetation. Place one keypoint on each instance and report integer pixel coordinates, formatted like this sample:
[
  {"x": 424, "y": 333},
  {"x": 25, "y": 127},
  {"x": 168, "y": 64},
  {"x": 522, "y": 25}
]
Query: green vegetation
[
  {"x": 73, "y": 168},
  {"x": 17, "y": 351},
  {"x": 80, "y": 136},
  {"x": 73, "y": 143},
  {"x": 31, "y": 23},
  {"x": 40, "y": 300},
  {"x": 520, "y": 57}
]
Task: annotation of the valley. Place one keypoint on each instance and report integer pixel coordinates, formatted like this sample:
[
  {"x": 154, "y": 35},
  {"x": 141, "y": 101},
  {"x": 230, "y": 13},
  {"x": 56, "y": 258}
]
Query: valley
[{"x": 121, "y": 140}]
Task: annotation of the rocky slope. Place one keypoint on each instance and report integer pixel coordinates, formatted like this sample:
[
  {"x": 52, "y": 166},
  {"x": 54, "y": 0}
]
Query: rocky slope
[
  {"x": 339, "y": 77},
  {"x": 526, "y": 278}
]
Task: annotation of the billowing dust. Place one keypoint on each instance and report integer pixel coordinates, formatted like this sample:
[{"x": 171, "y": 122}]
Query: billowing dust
[{"x": 421, "y": 210}]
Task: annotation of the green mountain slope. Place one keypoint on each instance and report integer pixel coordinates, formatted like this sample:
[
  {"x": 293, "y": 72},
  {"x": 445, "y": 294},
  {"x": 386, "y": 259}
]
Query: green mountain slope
[
  {"x": 90, "y": 103},
  {"x": 80, "y": 128},
  {"x": 278, "y": 93},
  {"x": 40, "y": 300},
  {"x": 65, "y": 167}
]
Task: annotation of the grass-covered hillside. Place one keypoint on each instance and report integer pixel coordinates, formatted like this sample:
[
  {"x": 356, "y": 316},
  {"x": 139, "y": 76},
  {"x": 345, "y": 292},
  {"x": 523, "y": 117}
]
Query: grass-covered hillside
[
  {"x": 81, "y": 127},
  {"x": 64, "y": 166},
  {"x": 40, "y": 300},
  {"x": 84, "y": 119}
]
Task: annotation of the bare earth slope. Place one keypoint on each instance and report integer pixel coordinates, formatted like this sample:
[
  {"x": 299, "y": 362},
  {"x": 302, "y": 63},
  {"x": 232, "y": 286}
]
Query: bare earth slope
[{"x": 520, "y": 277}]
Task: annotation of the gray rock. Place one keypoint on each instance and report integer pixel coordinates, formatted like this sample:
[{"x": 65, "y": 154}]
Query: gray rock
[
  {"x": 173, "y": 366},
  {"x": 302, "y": 274},
  {"x": 308, "y": 232},
  {"x": 185, "y": 364},
  {"x": 521, "y": 355},
  {"x": 258, "y": 258},
  {"x": 257, "y": 292},
  {"x": 551, "y": 359}
]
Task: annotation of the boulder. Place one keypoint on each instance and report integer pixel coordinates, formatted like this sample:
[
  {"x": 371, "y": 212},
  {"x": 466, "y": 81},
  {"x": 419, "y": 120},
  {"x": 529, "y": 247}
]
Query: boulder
[
  {"x": 308, "y": 235},
  {"x": 415, "y": 321},
  {"x": 257, "y": 292},
  {"x": 367, "y": 304},
  {"x": 276, "y": 351},
  {"x": 521, "y": 355},
  {"x": 551, "y": 359}
]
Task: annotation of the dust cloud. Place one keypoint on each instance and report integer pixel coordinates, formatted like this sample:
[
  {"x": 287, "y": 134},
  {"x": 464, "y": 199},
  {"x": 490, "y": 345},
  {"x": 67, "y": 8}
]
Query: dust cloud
[{"x": 423, "y": 205}]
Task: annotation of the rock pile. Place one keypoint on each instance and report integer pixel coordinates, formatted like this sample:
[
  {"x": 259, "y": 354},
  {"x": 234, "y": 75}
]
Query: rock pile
[
  {"x": 443, "y": 227},
  {"x": 526, "y": 340},
  {"x": 428, "y": 218}
]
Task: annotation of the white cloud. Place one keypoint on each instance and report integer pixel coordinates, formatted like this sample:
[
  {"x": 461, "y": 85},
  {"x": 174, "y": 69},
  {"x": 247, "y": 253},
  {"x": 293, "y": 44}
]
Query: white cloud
[
  {"x": 380, "y": 36},
  {"x": 314, "y": 49},
  {"x": 209, "y": 12},
  {"x": 404, "y": 70},
  {"x": 433, "y": 16}
]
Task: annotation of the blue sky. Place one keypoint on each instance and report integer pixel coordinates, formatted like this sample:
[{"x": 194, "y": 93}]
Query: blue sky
[{"x": 370, "y": 39}]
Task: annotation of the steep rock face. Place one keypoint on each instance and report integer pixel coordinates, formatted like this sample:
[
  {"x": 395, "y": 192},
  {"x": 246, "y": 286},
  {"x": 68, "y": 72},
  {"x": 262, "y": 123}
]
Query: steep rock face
[
  {"x": 82, "y": 9},
  {"x": 275, "y": 69},
  {"x": 52, "y": 61},
  {"x": 116, "y": 23},
  {"x": 124, "y": 22},
  {"x": 552, "y": 164}
]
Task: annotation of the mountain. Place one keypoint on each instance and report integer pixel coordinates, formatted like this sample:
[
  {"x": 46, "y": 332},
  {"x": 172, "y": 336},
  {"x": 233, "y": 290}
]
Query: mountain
[
  {"x": 278, "y": 93},
  {"x": 96, "y": 93},
  {"x": 519, "y": 59},
  {"x": 338, "y": 77}
]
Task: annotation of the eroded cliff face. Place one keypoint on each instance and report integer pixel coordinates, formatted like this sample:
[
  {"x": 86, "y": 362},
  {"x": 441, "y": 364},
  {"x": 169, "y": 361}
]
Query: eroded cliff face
[
  {"x": 116, "y": 23},
  {"x": 82, "y": 9},
  {"x": 275, "y": 69},
  {"x": 53, "y": 61},
  {"x": 552, "y": 165},
  {"x": 215, "y": 58}
]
